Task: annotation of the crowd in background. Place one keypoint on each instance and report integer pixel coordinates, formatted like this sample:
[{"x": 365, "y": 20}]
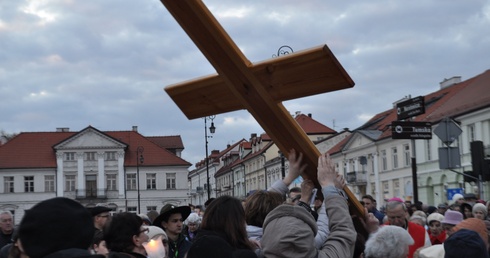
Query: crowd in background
[{"x": 277, "y": 222}]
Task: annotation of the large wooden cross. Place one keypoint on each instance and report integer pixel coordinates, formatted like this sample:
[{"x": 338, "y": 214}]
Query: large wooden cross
[{"x": 260, "y": 88}]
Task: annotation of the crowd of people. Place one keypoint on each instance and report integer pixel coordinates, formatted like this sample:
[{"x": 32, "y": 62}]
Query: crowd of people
[{"x": 277, "y": 222}]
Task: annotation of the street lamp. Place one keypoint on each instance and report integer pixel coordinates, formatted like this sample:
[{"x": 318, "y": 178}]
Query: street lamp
[
  {"x": 212, "y": 129},
  {"x": 283, "y": 50},
  {"x": 139, "y": 159}
]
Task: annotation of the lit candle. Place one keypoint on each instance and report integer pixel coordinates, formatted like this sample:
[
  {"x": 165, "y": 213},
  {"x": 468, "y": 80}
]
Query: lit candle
[{"x": 154, "y": 248}]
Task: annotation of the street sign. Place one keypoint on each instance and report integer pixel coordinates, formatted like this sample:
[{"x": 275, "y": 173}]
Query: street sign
[
  {"x": 449, "y": 158},
  {"x": 452, "y": 191},
  {"x": 410, "y": 108},
  {"x": 447, "y": 131},
  {"x": 411, "y": 130}
]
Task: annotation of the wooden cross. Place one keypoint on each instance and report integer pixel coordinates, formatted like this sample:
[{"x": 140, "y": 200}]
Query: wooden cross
[{"x": 259, "y": 88}]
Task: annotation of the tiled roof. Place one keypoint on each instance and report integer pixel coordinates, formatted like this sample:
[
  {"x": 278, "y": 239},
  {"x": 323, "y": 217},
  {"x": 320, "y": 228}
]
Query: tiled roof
[
  {"x": 311, "y": 126},
  {"x": 167, "y": 142},
  {"x": 35, "y": 150},
  {"x": 154, "y": 154},
  {"x": 31, "y": 150},
  {"x": 473, "y": 96},
  {"x": 458, "y": 99}
]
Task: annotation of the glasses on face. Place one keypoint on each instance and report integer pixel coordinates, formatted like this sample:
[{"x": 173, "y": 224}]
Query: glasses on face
[{"x": 145, "y": 230}]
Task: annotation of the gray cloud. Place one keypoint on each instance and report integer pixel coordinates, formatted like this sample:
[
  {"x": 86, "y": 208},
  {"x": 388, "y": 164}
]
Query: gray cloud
[{"x": 105, "y": 63}]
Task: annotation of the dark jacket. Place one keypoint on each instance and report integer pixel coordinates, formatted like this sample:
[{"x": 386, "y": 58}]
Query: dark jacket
[
  {"x": 179, "y": 247},
  {"x": 73, "y": 253},
  {"x": 207, "y": 237}
]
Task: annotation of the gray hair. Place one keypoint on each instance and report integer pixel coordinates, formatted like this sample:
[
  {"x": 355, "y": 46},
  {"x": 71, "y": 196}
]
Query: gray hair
[
  {"x": 6, "y": 212},
  {"x": 393, "y": 204},
  {"x": 388, "y": 242},
  {"x": 193, "y": 218}
]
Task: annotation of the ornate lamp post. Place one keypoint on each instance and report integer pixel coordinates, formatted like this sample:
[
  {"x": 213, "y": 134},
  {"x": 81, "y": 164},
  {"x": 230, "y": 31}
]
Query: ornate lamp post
[
  {"x": 283, "y": 50},
  {"x": 139, "y": 159},
  {"x": 212, "y": 129}
]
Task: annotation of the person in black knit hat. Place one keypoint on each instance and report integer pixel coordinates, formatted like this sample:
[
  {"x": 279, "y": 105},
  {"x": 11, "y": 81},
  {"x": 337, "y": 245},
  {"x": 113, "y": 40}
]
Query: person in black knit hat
[{"x": 57, "y": 227}]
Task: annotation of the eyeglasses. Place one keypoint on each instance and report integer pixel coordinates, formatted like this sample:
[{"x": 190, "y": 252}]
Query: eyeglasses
[{"x": 145, "y": 230}]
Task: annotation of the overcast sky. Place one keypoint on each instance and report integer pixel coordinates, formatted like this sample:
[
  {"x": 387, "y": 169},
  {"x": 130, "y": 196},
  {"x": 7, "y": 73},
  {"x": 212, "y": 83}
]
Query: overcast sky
[{"x": 105, "y": 63}]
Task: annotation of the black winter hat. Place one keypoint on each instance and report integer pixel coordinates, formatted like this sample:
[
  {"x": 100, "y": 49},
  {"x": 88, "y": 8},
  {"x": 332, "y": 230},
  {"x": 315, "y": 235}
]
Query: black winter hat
[
  {"x": 465, "y": 243},
  {"x": 55, "y": 224},
  {"x": 98, "y": 210}
]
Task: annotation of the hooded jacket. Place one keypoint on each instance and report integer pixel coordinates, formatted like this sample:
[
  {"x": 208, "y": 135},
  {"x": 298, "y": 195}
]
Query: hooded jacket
[{"x": 289, "y": 231}]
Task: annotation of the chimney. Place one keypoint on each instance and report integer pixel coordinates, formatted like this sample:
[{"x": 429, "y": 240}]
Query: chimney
[
  {"x": 309, "y": 115},
  {"x": 253, "y": 135},
  {"x": 450, "y": 82},
  {"x": 135, "y": 128},
  {"x": 62, "y": 129}
]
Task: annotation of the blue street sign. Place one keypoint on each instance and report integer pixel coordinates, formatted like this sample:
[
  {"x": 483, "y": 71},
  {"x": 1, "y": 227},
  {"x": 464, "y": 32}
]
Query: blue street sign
[{"x": 452, "y": 191}]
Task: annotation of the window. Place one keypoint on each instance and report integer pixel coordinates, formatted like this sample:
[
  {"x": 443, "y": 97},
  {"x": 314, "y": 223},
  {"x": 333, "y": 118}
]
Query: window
[
  {"x": 111, "y": 182},
  {"x": 396, "y": 187},
  {"x": 373, "y": 189},
  {"x": 471, "y": 132},
  {"x": 170, "y": 180},
  {"x": 29, "y": 184},
  {"x": 151, "y": 181},
  {"x": 90, "y": 156},
  {"x": 406, "y": 152},
  {"x": 110, "y": 155},
  {"x": 9, "y": 184},
  {"x": 427, "y": 150},
  {"x": 394, "y": 153},
  {"x": 384, "y": 163},
  {"x": 151, "y": 208},
  {"x": 49, "y": 183},
  {"x": 131, "y": 181},
  {"x": 132, "y": 209},
  {"x": 386, "y": 187},
  {"x": 70, "y": 183},
  {"x": 70, "y": 156}
]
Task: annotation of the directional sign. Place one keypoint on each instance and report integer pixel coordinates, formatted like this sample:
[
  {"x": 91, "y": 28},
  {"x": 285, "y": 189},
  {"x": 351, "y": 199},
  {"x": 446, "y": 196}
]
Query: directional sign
[
  {"x": 411, "y": 130},
  {"x": 410, "y": 108}
]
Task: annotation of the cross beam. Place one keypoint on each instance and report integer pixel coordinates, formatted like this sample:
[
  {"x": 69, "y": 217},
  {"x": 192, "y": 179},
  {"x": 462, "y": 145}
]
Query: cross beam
[{"x": 258, "y": 88}]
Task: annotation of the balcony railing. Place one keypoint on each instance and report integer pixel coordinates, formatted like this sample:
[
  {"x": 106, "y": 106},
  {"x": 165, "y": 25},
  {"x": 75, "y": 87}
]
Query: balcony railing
[
  {"x": 356, "y": 178},
  {"x": 91, "y": 193}
]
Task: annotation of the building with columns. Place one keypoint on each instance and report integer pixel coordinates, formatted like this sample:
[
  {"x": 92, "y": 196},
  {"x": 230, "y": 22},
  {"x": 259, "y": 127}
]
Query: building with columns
[{"x": 123, "y": 170}]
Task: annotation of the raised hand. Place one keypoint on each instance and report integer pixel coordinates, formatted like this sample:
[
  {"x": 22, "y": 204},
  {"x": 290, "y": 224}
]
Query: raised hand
[
  {"x": 326, "y": 171},
  {"x": 296, "y": 166}
]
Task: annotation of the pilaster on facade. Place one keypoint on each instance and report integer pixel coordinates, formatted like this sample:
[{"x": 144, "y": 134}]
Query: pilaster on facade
[{"x": 59, "y": 174}]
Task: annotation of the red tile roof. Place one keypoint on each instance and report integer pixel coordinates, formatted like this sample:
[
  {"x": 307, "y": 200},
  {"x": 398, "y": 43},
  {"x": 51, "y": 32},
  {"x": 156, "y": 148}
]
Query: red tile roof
[
  {"x": 311, "y": 126},
  {"x": 35, "y": 150},
  {"x": 455, "y": 100},
  {"x": 167, "y": 142}
]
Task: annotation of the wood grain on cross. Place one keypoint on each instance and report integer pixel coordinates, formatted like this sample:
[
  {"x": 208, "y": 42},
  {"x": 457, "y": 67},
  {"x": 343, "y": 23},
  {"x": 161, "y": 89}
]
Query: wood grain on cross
[{"x": 259, "y": 88}]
